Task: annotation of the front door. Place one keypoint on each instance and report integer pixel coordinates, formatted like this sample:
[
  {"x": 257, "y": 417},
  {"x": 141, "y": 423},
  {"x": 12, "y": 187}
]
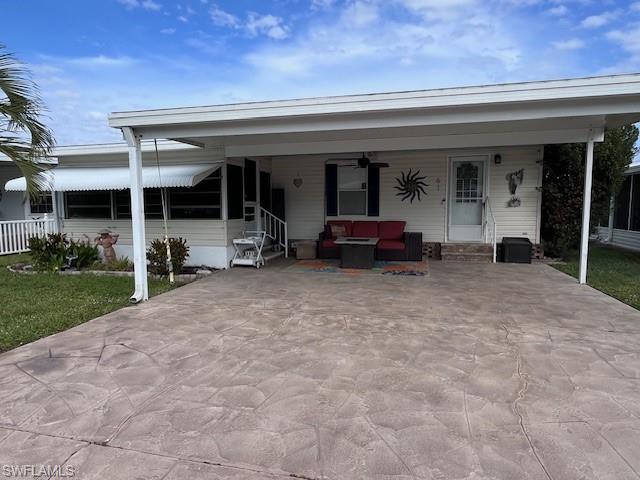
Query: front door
[{"x": 466, "y": 198}]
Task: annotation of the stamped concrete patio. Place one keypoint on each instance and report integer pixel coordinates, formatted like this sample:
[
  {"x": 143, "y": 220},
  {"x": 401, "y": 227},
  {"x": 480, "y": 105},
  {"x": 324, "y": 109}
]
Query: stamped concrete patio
[{"x": 476, "y": 371}]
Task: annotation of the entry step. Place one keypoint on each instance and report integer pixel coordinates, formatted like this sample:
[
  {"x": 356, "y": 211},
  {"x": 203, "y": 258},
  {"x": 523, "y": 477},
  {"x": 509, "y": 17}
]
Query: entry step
[{"x": 467, "y": 252}]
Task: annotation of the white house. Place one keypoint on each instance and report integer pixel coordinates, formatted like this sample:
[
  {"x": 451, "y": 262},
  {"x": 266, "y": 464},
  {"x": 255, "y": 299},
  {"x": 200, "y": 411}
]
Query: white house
[
  {"x": 478, "y": 151},
  {"x": 623, "y": 228},
  {"x": 16, "y": 205}
]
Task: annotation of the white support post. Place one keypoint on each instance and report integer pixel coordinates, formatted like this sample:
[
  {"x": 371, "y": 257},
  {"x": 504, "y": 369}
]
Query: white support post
[
  {"x": 586, "y": 212},
  {"x": 137, "y": 216}
]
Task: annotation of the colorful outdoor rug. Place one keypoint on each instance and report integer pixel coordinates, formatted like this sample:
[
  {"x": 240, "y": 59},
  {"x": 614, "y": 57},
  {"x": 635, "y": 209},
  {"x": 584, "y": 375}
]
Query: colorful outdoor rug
[{"x": 381, "y": 267}]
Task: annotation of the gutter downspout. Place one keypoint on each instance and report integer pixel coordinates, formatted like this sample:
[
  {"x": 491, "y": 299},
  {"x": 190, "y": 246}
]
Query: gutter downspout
[{"x": 141, "y": 292}]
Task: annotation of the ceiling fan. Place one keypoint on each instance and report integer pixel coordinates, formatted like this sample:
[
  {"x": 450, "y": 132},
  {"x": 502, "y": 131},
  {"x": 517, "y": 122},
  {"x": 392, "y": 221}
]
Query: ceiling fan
[{"x": 364, "y": 161}]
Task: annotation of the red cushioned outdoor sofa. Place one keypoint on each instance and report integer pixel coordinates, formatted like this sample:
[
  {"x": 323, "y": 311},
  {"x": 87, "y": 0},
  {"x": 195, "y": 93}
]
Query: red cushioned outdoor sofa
[{"x": 394, "y": 243}]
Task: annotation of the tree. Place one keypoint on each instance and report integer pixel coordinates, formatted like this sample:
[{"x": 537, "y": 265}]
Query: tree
[
  {"x": 563, "y": 186},
  {"x": 24, "y": 138}
]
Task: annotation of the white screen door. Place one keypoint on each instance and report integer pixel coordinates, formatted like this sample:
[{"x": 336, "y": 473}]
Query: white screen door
[{"x": 466, "y": 195}]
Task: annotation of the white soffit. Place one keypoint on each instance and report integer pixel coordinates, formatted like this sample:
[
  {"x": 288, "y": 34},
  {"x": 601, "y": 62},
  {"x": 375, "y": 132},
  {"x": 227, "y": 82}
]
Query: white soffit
[{"x": 67, "y": 179}]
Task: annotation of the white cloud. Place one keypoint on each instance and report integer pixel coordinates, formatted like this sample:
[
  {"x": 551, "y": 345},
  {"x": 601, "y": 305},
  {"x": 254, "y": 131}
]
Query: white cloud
[
  {"x": 151, "y": 5},
  {"x": 168, "y": 31},
  {"x": 436, "y": 4},
  {"x": 183, "y": 19},
  {"x": 146, "y": 4},
  {"x": 269, "y": 25},
  {"x": 558, "y": 11},
  {"x": 597, "y": 21},
  {"x": 100, "y": 61},
  {"x": 635, "y": 7},
  {"x": 361, "y": 13},
  {"x": 129, "y": 3},
  {"x": 629, "y": 39},
  {"x": 571, "y": 44},
  {"x": 322, "y": 4},
  {"x": 424, "y": 45},
  {"x": 221, "y": 18}
]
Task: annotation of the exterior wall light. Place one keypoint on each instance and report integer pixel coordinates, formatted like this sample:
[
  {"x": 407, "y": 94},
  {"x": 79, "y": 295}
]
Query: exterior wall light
[{"x": 497, "y": 159}]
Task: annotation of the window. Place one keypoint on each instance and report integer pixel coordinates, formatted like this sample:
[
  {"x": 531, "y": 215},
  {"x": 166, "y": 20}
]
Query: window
[
  {"x": 199, "y": 201},
  {"x": 152, "y": 203},
  {"x": 352, "y": 190},
  {"x": 89, "y": 204},
  {"x": 621, "y": 213},
  {"x": 468, "y": 186},
  {"x": 43, "y": 203}
]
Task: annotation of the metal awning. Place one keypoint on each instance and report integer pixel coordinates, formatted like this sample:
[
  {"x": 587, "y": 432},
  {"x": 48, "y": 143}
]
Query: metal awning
[{"x": 65, "y": 179}]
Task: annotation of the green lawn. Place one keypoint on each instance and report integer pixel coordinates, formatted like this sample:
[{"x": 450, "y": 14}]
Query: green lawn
[
  {"x": 612, "y": 271},
  {"x": 34, "y": 306}
]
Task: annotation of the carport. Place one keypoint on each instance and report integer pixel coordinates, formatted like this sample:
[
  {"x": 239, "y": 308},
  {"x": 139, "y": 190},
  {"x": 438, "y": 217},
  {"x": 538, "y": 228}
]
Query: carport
[{"x": 534, "y": 113}]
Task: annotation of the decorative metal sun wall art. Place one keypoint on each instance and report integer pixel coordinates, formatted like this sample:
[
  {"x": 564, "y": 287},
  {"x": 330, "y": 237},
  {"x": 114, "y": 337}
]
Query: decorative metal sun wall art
[{"x": 411, "y": 186}]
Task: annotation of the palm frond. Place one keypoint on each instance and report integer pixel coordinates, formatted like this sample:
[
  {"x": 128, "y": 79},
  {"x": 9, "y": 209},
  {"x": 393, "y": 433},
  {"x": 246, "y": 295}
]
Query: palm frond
[{"x": 24, "y": 137}]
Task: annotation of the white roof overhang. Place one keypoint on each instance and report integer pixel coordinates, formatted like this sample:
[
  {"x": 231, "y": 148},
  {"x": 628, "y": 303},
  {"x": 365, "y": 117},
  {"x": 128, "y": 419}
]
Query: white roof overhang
[
  {"x": 513, "y": 114},
  {"x": 66, "y": 179}
]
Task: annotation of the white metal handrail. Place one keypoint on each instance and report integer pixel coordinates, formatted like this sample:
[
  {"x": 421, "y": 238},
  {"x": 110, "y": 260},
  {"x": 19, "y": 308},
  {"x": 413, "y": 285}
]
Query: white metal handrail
[
  {"x": 15, "y": 234},
  {"x": 276, "y": 229},
  {"x": 491, "y": 228}
]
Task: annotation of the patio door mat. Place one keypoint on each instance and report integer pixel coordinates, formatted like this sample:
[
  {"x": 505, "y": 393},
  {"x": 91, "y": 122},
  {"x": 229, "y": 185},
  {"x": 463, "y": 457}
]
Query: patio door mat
[{"x": 380, "y": 267}]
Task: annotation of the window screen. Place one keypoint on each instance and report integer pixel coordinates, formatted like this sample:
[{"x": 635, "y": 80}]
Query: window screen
[
  {"x": 89, "y": 204},
  {"x": 199, "y": 201},
  {"x": 152, "y": 203}
]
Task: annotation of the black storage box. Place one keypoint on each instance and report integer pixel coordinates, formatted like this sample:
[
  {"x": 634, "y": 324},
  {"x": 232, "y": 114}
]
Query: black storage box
[{"x": 516, "y": 250}]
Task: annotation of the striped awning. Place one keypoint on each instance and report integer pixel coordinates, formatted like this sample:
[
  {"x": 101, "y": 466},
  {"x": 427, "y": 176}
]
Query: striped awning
[{"x": 66, "y": 179}]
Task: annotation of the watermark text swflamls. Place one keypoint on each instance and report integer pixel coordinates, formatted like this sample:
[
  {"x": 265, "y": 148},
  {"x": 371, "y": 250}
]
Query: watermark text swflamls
[{"x": 38, "y": 471}]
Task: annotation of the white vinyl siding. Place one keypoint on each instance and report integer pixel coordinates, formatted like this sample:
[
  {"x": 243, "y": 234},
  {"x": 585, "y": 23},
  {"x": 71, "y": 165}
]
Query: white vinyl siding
[
  {"x": 621, "y": 238},
  {"x": 305, "y": 206},
  {"x": 428, "y": 215},
  {"x": 196, "y": 232},
  {"x": 522, "y": 221}
]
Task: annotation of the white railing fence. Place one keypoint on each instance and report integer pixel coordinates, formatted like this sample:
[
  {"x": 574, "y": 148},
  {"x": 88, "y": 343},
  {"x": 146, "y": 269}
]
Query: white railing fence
[
  {"x": 15, "y": 234},
  {"x": 276, "y": 229},
  {"x": 491, "y": 228}
]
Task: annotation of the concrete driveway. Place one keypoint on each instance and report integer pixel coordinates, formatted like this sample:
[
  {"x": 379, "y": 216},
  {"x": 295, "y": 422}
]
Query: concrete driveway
[{"x": 476, "y": 371}]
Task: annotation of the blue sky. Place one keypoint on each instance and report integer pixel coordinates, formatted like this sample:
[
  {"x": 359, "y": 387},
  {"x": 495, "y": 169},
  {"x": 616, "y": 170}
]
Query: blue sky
[{"x": 91, "y": 57}]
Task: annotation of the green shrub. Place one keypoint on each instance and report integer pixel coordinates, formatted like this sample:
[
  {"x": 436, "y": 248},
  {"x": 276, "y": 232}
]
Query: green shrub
[
  {"x": 49, "y": 253},
  {"x": 157, "y": 255},
  {"x": 87, "y": 253},
  {"x": 122, "y": 264}
]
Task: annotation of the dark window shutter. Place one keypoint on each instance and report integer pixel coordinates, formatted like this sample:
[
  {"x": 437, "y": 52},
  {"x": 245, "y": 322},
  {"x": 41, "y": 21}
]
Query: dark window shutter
[
  {"x": 373, "y": 200},
  {"x": 235, "y": 203},
  {"x": 249, "y": 180},
  {"x": 331, "y": 189}
]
